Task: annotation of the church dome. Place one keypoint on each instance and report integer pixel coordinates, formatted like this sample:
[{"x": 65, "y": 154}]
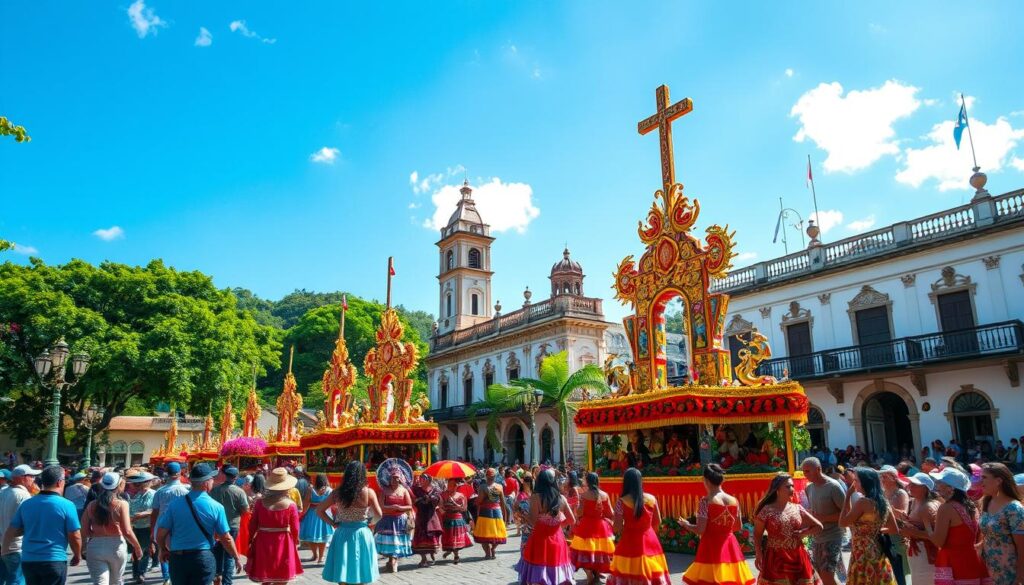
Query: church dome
[
  {"x": 566, "y": 265},
  {"x": 465, "y": 209}
]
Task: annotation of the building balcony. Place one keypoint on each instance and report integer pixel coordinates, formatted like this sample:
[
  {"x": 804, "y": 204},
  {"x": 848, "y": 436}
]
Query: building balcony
[
  {"x": 982, "y": 214},
  {"x": 983, "y": 341},
  {"x": 553, "y": 308}
]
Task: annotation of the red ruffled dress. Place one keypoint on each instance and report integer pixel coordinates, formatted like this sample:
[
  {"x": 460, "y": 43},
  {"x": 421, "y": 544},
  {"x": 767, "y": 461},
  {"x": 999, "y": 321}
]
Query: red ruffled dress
[
  {"x": 593, "y": 542},
  {"x": 958, "y": 562},
  {"x": 274, "y": 552},
  {"x": 785, "y": 560},
  {"x": 545, "y": 556},
  {"x": 719, "y": 558},
  {"x": 639, "y": 558}
]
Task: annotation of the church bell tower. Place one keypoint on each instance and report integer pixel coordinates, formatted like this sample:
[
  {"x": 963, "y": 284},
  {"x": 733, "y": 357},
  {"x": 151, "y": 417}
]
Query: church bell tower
[{"x": 464, "y": 273}]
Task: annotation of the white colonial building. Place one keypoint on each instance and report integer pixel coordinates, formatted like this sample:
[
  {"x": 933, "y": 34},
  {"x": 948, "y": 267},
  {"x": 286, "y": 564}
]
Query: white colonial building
[
  {"x": 474, "y": 346},
  {"x": 902, "y": 335}
]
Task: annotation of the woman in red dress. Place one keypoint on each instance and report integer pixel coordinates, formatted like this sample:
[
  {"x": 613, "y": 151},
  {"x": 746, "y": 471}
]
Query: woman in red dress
[
  {"x": 956, "y": 532},
  {"x": 593, "y": 542},
  {"x": 454, "y": 531},
  {"x": 571, "y": 492},
  {"x": 719, "y": 557},
  {"x": 545, "y": 557},
  {"x": 785, "y": 560},
  {"x": 274, "y": 526},
  {"x": 639, "y": 558}
]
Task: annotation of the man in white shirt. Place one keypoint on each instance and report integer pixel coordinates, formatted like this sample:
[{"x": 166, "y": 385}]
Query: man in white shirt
[{"x": 10, "y": 500}]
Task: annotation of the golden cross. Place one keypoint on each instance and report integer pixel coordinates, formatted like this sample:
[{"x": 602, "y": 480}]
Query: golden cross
[{"x": 662, "y": 120}]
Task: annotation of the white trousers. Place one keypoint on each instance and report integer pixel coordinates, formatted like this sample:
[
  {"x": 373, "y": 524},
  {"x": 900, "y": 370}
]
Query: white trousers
[{"x": 106, "y": 557}]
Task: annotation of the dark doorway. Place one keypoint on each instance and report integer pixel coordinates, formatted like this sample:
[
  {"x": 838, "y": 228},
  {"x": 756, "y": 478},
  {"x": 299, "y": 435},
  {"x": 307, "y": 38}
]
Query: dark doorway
[
  {"x": 798, "y": 341},
  {"x": 886, "y": 427},
  {"x": 515, "y": 445},
  {"x": 873, "y": 331},
  {"x": 956, "y": 317}
]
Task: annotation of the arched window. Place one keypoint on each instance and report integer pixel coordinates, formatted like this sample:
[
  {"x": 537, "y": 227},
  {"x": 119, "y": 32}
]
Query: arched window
[
  {"x": 972, "y": 418},
  {"x": 474, "y": 300},
  {"x": 118, "y": 453},
  {"x": 817, "y": 429},
  {"x": 547, "y": 446},
  {"x": 448, "y": 304},
  {"x": 450, "y": 260},
  {"x": 474, "y": 258},
  {"x": 135, "y": 452}
]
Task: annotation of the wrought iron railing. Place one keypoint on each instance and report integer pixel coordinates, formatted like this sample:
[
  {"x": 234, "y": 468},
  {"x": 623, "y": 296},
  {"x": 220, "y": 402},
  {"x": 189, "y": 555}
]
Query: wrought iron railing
[
  {"x": 555, "y": 307},
  {"x": 980, "y": 341}
]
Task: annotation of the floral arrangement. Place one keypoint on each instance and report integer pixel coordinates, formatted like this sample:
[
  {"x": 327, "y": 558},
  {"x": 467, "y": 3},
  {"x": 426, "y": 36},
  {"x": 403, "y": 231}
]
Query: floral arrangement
[
  {"x": 675, "y": 538},
  {"x": 244, "y": 446},
  {"x": 685, "y": 408}
]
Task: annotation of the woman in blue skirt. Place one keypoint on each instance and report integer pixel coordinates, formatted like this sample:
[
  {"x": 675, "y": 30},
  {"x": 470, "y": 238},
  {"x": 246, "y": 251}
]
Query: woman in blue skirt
[
  {"x": 352, "y": 556},
  {"x": 314, "y": 533},
  {"x": 392, "y": 532}
]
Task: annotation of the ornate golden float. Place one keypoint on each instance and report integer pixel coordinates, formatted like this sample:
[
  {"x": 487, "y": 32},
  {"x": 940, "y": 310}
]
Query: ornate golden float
[
  {"x": 745, "y": 422},
  {"x": 389, "y": 424},
  {"x": 284, "y": 449}
]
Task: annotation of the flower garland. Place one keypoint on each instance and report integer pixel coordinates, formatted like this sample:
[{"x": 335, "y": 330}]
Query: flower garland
[
  {"x": 244, "y": 447},
  {"x": 689, "y": 409}
]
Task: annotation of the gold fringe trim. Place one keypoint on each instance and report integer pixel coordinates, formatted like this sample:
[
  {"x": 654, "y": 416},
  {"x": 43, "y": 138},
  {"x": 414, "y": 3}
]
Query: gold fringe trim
[{"x": 693, "y": 420}]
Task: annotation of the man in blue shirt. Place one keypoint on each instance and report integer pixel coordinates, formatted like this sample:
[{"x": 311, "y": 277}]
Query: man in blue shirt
[
  {"x": 171, "y": 490},
  {"x": 187, "y": 529},
  {"x": 49, "y": 524}
]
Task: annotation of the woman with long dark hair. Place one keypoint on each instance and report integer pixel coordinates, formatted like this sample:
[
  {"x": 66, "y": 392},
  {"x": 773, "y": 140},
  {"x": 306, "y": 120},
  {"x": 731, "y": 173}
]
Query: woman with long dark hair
[
  {"x": 1002, "y": 525},
  {"x": 571, "y": 491},
  {"x": 639, "y": 558},
  {"x": 593, "y": 542},
  {"x": 719, "y": 556},
  {"x": 869, "y": 564},
  {"x": 106, "y": 525},
  {"x": 956, "y": 531},
  {"x": 545, "y": 558},
  {"x": 314, "y": 532},
  {"x": 784, "y": 561},
  {"x": 521, "y": 511},
  {"x": 924, "y": 506},
  {"x": 426, "y": 537},
  {"x": 352, "y": 556}
]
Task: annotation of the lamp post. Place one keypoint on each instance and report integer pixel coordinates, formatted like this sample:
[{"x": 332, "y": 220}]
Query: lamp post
[
  {"x": 50, "y": 365},
  {"x": 92, "y": 416},
  {"x": 533, "y": 401}
]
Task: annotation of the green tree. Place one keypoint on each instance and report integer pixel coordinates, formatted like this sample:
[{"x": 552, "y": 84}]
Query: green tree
[
  {"x": 154, "y": 334},
  {"x": 7, "y": 128},
  {"x": 561, "y": 391},
  {"x": 261, "y": 309}
]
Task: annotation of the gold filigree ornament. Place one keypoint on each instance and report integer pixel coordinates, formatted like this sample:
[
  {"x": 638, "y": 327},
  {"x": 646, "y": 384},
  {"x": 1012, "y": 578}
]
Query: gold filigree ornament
[{"x": 389, "y": 365}]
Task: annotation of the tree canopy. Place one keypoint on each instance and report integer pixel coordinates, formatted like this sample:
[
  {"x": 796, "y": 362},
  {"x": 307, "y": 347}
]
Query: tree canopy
[{"x": 154, "y": 335}]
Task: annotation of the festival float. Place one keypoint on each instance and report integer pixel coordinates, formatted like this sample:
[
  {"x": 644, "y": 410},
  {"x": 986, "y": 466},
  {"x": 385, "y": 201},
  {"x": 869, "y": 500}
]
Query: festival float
[
  {"x": 247, "y": 452},
  {"x": 748, "y": 423},
  {"x": 388, "y": 425},
  {"x": 170, "y": 450},
  {"x": 207, "y": 450},
  {"x": 284, "y": 450}
]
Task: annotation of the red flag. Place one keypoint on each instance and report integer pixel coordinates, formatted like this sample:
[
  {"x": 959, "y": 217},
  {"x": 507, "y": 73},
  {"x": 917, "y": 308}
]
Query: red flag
[
  {"x": 344, "y": 301},
  {"x": 810, "y": 177},
  {"x": 391, "y": 267}
]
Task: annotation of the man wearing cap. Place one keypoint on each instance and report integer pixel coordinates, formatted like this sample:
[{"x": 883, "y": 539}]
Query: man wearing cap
[
  {"x": 235, "y": 504},
  {"x": 825, "y": 499},
  {"x": 78, "y": 491},
  {"x": 188, "y": 528},
  {"x": 140, "y": 509},
  {"x": 50, "y": 524},
  {"x": 10, "y": 500},
  {"x": 172, "y": 489}
]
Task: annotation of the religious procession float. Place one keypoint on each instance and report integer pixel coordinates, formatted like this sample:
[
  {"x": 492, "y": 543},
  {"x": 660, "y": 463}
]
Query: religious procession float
[
  {"x": 248, "y": 451},
  {"x": 170, "y": 450},
  {"x": 284, "y": 449},
  {"x": 389, "y": 425},
  {"x": 748, "y": 423},
  {"x": 204, "y": 451}
]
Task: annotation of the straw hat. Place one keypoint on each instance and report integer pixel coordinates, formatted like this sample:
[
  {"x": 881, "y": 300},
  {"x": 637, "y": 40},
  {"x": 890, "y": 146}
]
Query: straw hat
[{"x": 280, "y": 481}]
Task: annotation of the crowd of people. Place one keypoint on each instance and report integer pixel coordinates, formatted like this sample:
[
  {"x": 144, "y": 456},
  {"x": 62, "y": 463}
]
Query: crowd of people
[{"x": 941, "y": 523}]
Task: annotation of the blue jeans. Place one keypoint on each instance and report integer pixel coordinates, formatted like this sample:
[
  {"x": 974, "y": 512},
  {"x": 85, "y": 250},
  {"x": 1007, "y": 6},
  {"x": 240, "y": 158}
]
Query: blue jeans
[
  {"x": 45, "y": 572},
  {"x": 225, "y": 562},
  {"x": 192, "y": 568},
  {"x": 141, "y": 565},
  {"x": 10, "y": 570}
]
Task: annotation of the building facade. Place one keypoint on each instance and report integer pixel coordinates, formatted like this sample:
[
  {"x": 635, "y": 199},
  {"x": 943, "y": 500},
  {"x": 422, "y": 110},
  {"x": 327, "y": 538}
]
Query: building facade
[
  {"x": 903, "y": 335},
  {"x": 474, "y": 347}
]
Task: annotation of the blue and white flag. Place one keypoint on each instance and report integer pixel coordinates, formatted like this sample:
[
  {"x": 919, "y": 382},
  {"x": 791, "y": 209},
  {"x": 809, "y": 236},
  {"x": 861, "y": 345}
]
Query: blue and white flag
[{"x": 961, "y": 123}]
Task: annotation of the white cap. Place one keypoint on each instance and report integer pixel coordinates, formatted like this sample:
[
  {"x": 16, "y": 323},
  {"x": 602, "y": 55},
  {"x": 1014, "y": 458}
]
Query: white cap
[
  {"x": 23, "y": 470},
  {"x": 110, "y": 480}
]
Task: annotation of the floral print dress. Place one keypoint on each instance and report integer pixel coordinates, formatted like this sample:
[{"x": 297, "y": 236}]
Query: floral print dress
[
  {"x": 868, "y": 566},
  {"x": 999, "y": 552}
]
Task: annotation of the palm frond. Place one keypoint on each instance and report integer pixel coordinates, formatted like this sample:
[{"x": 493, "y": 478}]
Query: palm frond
[
  {"x": 590, "y": 377},
  {"x": 554, "y": 369}
]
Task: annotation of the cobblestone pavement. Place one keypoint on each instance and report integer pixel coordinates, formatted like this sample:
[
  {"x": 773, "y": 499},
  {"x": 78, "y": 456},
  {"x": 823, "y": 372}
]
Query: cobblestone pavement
[{"x": 471, "y": 570}]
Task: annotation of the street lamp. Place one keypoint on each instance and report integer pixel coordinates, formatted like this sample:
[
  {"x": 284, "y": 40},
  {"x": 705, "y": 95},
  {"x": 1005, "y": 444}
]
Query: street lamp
[
  {"x": 50, "y": 365},
  {"x": 93, "y": 416},
  {"x": 533, "y": 401}
]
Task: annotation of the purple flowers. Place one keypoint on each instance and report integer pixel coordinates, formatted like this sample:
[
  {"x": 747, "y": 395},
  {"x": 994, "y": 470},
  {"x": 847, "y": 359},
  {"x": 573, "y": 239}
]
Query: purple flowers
[{"x": 244, "y": 446}]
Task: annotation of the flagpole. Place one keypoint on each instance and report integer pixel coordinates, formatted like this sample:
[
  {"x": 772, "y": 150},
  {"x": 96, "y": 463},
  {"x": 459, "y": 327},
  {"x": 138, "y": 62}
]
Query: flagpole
[
  {"x": 969, "y": 135},
  {"x": 391, "y": 268},
  {"x": 814, "y": 195},
  {"x": 344, "y": 309}
]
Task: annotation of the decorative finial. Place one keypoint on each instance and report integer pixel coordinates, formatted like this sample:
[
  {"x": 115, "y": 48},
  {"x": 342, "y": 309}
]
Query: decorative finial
[
  {"x": 812, "y": 232},
  {"x": 565, "y": 253},
  {"x": 466, "y": 190},
  {"x": 978, "y": 180},
  {"x": 497, "y": 309},
  {"x": 526, "y": 295}
]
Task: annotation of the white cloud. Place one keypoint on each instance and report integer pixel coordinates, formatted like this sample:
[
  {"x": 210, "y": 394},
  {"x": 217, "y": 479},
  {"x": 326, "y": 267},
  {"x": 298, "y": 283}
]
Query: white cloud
[
  {"x": 26, "y": 250},
  {"x": 744, "y": 258},
  {"x": 109, "y": 234},
  {"x": 326, "y": 155},
  {"x": 504, "y": 206},
  {"x": 789, "y": 72},
  {"x": 861, "y": 225},
  {"x": 205, "y": 39},
  {"x": 855, "y": 130},
  {"x": 429, "y": 183},
  {"x": 826, "y": 219},
  {"x": 951, "y": 167},
  {"x": 239, "y": 26},
  {"x": 144, "y": 20}
]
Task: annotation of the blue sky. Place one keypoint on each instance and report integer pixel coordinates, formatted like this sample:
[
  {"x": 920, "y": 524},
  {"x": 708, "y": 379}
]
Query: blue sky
[{"x": 276, "y": 149}]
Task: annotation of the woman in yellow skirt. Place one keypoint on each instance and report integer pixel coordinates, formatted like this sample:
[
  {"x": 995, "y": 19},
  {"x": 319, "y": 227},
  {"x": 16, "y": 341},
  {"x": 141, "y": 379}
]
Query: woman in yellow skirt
[
  {"x": 639, "y": 558},
  {"x": 490, "y": 522}
]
